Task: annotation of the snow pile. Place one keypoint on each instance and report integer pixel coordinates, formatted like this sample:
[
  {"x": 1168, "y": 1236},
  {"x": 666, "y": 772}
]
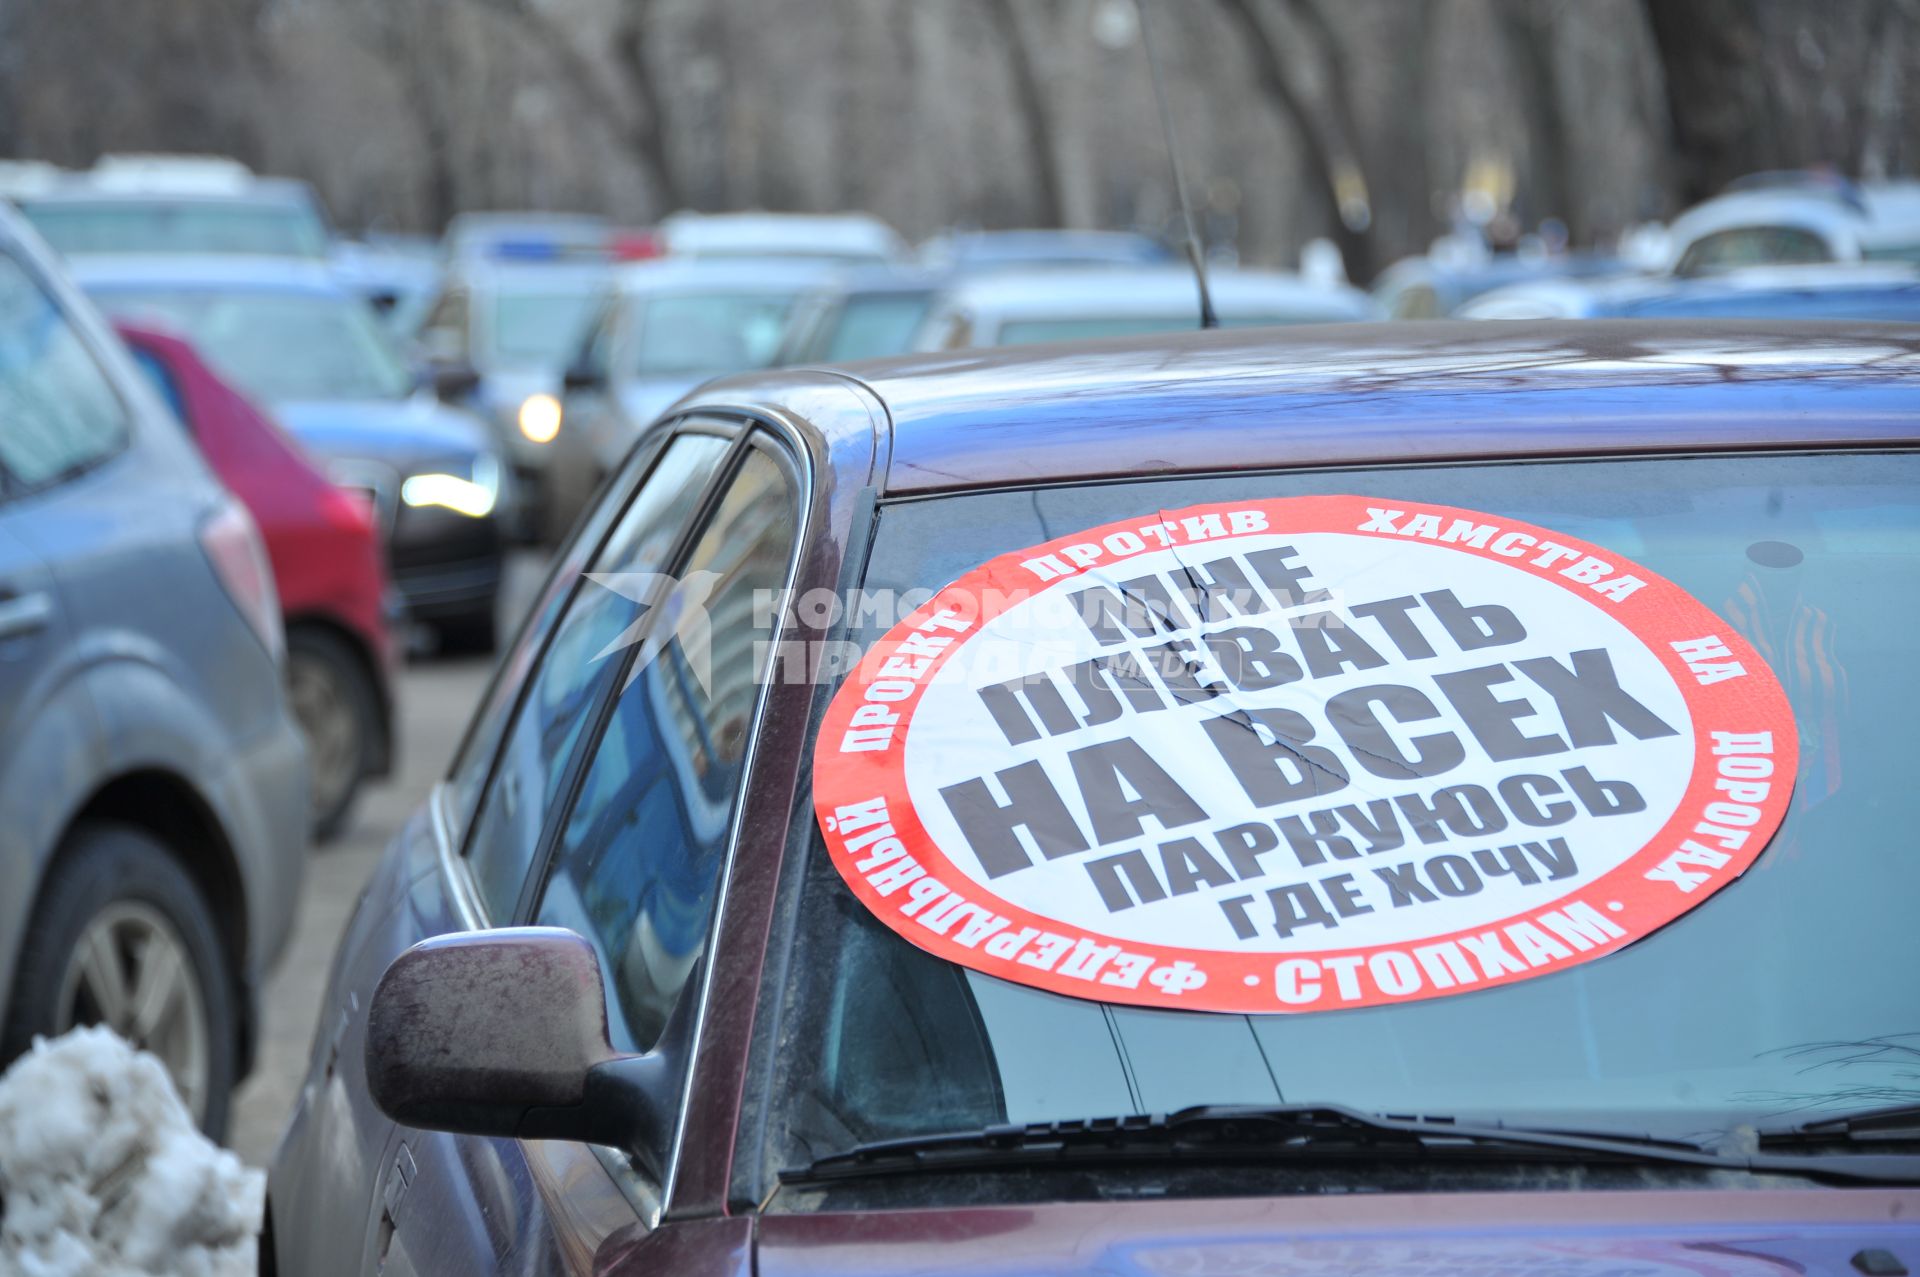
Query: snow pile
[{"x": 103, "y": 1173}]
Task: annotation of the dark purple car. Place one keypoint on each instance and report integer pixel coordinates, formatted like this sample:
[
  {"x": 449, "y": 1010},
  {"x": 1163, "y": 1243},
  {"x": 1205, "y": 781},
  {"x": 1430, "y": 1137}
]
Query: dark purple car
[{"x": 1356, "y": 800}]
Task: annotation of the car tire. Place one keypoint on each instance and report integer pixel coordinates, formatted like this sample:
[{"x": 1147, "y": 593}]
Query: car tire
[
  {"x": 107, "y": 880},
  {"x": 473, "y": 635},
  {"x": 338, "y": 709}
]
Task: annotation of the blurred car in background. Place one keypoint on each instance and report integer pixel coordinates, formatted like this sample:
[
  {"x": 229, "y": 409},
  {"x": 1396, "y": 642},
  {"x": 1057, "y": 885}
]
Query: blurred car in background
[
  {"x": 328, "y": 571},
  {"x": 967, "y": 252},
  {"x": 178, "y": 204},
  {"x": 1434, "y": 286},
  {"x": 850, "y": 239},
  {"x": 1072, "y": 305},
  {"x": 1887, "y": 291},
  {"x": 668, "y": 326},
  {"x": 498, "y": 339},
  {"x": 526, "y": 236},
  {"x": 867, "y": 313},
  {"x": 153, "y": 785},
  {"x": 398, "y": 276},
  {"x": 291, "y": 337},
  {"x": 1797, "y": 218}
]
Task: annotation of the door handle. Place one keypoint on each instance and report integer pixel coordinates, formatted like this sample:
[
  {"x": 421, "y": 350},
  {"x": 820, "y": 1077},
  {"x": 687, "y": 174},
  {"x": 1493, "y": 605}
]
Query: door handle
[{"x": 22, "y": 614}]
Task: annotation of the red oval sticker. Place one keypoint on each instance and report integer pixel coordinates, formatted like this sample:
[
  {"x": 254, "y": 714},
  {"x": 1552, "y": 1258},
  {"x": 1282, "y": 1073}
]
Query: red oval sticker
[{"x": 1300, "y": 754}]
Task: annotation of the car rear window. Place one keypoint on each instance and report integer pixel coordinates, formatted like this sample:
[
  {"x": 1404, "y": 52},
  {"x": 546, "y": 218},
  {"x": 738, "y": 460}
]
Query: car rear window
[
  {"x": 1785, "y": 996},
  {"x": 273, "y": 230}
]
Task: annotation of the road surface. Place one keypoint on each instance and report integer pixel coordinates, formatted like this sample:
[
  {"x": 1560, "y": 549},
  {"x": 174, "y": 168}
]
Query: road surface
[{"x": 436, "y": 697}]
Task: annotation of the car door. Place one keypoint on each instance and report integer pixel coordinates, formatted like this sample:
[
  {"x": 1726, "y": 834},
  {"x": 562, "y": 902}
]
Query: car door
[
  {"x": 623, "y": 726},
  {"x": 59, "y": 420}
]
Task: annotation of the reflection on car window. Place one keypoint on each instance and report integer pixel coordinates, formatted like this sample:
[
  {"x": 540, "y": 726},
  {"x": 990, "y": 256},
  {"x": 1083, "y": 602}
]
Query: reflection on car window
[
  {"x": 642, "y": 852},
  {"x": 57, "y": 412},
  {"x": 579, "y": 664},
  {"x": 1789, "y": 994}
]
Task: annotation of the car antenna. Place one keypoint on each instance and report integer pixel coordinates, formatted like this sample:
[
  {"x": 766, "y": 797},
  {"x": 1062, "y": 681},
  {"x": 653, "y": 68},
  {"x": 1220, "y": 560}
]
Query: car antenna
[{"x": 1194, "y": 257}]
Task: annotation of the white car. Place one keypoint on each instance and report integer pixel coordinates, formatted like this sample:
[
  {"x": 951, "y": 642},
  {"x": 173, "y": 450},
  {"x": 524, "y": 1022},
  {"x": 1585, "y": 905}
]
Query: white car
[
  {"x": 850, "y": 239},
  {"x": 1799, "y": 223},
  {"x": 1071, "y": 305}
]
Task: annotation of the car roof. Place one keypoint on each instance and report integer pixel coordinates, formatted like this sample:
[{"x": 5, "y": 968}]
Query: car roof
[
  {"x": 841, "y": 235},
  {"x": 84, "y": 191},
  {"x": 975, "y": 249},
  {"x": 723, "y": 274},
  {"x": 1149, "y": 290},
  {"x": 1362, "y": 394},
  {"x": 565, "y": 275},
  {"x": 1622, "y": 295},
  {"x": 204, "y": 271}
]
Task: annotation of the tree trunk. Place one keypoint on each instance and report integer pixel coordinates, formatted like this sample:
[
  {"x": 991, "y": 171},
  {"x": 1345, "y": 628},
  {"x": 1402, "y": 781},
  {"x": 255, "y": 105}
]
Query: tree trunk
[
  {"x": 1034, "y": 116},
  {"x": 1322, "y": 156}
]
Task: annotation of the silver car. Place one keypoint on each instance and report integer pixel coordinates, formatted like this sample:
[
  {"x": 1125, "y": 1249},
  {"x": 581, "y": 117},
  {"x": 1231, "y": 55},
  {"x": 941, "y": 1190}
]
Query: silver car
[{"x": 153, "y": 800}]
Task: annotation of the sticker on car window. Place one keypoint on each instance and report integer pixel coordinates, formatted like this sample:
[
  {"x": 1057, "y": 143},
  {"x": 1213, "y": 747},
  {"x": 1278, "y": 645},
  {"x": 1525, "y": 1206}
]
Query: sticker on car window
[{"x": 1299, "y": 755}]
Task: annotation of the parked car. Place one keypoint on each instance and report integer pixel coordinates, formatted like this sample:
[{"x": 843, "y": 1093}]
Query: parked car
[
  {"x": 1073, "y": 305},
  {"x": 178, "y": 204},
  {"x": 971, "y": 252},
  {"x": 1435, "y": 287},
  {"x": 1797, "y": 219},
  {"x": 153, "y": 785},
  {"x": 292, "y": 338},
  {"x": 498, "y": 339},
  {"x": 865, "y": 314},
  {"x": 399, "y": 277},
  {"x": 1084, "y": 872},
  {"x": 328, "y": 571},
  {"x": 527, "y": 236},
  {"x": 849, "y": 239},
  {"x": 1887, "y": 291},
  {"x": 668, "y": 326}
]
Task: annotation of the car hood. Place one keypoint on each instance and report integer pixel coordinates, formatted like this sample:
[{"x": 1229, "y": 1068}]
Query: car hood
[
  {"x": 396, "y": 431},
  {"x": 1597, "y": 1233}
]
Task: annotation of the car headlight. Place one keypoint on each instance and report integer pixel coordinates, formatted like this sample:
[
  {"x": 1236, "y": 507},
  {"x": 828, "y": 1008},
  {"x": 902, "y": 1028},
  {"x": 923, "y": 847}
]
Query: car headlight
[
  {"x": 540, "y": 418},
  {"x": 474, "y": 497}
]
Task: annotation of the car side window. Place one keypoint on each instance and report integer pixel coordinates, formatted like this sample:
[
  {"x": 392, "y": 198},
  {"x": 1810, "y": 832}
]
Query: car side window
[
  {"x": 60, "y": 414},
  {"x": 443, "y": 334},
  {"x": 580, "y": 660},
  {"x": 642, "y": 852}
]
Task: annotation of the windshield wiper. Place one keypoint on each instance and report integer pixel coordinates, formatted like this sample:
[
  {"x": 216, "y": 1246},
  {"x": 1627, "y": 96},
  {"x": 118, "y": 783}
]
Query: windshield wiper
[
  {"x": 1895, "y": 1123},
  {"x": 1304, "y": 1134}
]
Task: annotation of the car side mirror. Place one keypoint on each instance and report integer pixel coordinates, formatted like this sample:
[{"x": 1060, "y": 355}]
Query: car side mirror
[
  {"x": 453, "y": 381},
  {"x": 582, "y": 376},
  {"x": 504, "y": 1033}
]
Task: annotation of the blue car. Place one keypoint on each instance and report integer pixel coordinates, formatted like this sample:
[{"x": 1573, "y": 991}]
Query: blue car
[
  {"x": 291, "y": 336},
  {"x": 153, "y": 783}
]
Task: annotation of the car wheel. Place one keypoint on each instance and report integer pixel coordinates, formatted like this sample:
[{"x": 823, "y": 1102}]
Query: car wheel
[
  {"x": 339, "y": 714},
  {"x": 121, "y": 936},
  {"x": 474, "y": 635}
]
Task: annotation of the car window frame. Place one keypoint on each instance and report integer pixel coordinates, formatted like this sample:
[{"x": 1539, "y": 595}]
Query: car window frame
[
  {"x": 459, "y": 827},
  {"x": 685, "y": 541},
  {"x": 754, "y": 434},
  {"x": 12, "y": 487}
]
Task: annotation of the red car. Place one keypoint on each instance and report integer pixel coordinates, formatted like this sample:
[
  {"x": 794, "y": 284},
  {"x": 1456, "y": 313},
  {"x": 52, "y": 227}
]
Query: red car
[{"x": 327, "y": 567}]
